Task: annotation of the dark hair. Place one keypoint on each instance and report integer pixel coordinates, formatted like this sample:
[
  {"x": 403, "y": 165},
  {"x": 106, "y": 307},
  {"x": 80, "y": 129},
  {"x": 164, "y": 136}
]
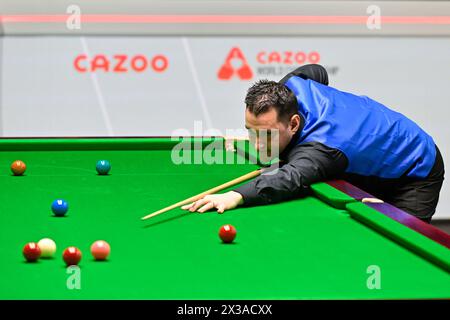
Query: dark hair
[{"x": 266, "y": 94}]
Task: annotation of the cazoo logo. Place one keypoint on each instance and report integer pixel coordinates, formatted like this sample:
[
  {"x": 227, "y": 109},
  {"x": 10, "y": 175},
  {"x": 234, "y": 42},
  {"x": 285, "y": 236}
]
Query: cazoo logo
[
  {"x": 266, "y": 63},
  {"x": 120, "y": 63}
]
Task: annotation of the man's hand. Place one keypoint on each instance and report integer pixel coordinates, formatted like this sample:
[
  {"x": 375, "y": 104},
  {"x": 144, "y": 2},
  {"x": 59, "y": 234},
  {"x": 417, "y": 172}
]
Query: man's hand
[{"x": 222, "y": 202}]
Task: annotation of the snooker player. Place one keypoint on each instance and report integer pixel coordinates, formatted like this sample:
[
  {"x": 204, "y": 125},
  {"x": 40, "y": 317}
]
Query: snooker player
[{"x": 324, "y": 133}]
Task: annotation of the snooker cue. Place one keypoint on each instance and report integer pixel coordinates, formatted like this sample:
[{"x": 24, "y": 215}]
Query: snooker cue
[{"x": 228, "y": 184}]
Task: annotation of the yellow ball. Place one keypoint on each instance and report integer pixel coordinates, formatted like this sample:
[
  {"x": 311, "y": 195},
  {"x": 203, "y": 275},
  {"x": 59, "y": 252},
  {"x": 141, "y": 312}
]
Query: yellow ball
[{"x": 48, "y": 247}]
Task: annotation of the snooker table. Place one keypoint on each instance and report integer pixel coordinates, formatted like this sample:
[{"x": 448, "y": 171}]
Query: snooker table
[{"x": 321, "y": 246}]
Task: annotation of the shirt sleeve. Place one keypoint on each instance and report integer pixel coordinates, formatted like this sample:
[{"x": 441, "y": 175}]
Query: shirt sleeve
[{"x": 306, "y": 164}]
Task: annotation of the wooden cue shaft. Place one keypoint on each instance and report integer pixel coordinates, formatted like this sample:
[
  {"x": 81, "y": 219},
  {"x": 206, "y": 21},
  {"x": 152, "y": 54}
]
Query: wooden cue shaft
[{"x": 228, "y": 184}]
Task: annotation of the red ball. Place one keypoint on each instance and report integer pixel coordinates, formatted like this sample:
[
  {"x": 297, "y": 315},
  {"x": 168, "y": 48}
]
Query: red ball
[
  {"x": 18, "y": 167},
  {"x": 31, "y": 252},
  {"x": 100, "y": 250},
  {"x": 72, "y": 256},
  {"x": 227, "y": 233}
]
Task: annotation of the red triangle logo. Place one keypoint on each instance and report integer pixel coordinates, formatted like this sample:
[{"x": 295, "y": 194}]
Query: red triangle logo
[{"x": 227, "y": 70}]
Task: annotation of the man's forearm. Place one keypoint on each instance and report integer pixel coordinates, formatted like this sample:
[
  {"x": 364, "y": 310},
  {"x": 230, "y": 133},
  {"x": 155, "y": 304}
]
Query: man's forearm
[{"x": 307, "y": 164}]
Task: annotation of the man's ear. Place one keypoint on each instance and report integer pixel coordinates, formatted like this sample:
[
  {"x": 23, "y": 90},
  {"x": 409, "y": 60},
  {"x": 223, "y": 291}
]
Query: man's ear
[{"x": 294, "y": 123}]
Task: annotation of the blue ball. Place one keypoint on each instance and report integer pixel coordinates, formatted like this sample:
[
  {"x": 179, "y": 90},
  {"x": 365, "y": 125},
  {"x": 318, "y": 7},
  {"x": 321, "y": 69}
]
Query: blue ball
[
  {"x": 60, "y": 207},
  {"x": 103, "y": 167}
]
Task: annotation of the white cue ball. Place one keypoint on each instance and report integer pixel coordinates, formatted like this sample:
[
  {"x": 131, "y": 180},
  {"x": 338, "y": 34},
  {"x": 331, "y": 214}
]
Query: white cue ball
[{"x": 48, "y": 247}]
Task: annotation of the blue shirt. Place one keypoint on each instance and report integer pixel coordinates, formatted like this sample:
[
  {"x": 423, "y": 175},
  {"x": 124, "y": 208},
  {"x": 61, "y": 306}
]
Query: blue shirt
[{"x": 376, "y": 140}]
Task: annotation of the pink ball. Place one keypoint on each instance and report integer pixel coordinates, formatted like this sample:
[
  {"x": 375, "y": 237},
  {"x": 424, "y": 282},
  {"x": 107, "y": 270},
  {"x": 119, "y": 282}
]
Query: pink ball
[{"x": 100, "y": 250}]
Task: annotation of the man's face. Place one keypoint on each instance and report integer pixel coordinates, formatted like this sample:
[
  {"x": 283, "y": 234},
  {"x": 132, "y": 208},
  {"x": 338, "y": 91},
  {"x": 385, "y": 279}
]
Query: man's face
[{"x": 269, "y": 134}]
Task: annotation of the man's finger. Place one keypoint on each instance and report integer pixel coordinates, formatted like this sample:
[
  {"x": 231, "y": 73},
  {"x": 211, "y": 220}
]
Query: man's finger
[
  {"x": 187, "y": 206},
  {"x": 221, "y": 208},
  {"x": 198, "y": 204},
  {"x": 206, "y": 207}
]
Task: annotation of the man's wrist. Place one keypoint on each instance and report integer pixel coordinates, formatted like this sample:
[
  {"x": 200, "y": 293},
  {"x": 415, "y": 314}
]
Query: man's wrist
[{"x": 238, "y": 197}]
